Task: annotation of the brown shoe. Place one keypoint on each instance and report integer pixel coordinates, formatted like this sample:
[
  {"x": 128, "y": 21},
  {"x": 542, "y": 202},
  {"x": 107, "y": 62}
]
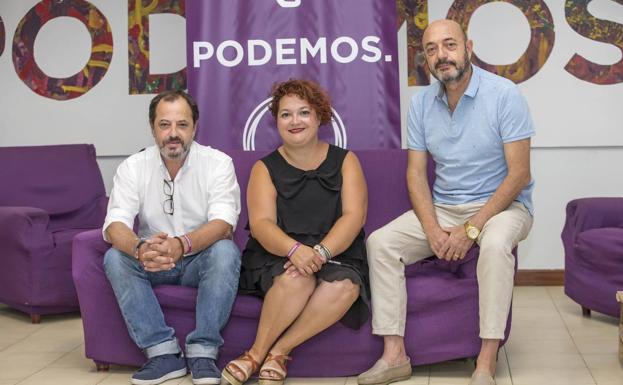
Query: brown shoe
[
  {"x": 382, "y": 374},
  {"x": 481, "y": 378}
]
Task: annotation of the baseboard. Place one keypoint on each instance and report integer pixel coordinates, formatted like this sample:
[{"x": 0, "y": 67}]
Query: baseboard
[{"x": 539, "y": 278}]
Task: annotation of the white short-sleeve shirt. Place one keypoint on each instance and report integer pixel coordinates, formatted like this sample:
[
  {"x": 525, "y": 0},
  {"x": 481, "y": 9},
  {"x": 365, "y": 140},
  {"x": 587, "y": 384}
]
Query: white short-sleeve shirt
[{"x": 204, "y": 189}]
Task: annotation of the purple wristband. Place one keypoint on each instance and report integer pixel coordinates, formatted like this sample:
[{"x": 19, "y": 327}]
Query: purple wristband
[{"x": 293, "y": 249}]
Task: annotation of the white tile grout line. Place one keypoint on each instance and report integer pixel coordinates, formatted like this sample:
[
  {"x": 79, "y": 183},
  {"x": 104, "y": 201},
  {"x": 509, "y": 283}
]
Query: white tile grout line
[
  {"x": 508, "y": 363},
  {"x": 571, "y": 335}
]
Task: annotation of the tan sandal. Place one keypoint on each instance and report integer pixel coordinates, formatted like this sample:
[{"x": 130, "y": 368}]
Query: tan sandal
[
  {"x": 277, "y": 365},
  {"x": 228, "y": 375}
]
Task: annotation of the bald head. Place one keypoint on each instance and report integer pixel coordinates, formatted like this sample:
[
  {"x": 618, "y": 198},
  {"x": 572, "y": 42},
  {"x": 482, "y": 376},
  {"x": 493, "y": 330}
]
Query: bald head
[{"x": 447, "y": 27}]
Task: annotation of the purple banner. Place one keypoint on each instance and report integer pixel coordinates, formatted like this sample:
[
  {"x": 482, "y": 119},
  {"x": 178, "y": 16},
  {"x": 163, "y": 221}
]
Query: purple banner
[{"x": 238, "y": 48}]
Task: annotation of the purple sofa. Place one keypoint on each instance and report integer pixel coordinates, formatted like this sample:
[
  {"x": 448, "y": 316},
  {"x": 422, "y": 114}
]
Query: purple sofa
[
  {"x": 593, "y": 242},
  {"x": 442, "y": 309},
  {"x": 48, "y": 195}
]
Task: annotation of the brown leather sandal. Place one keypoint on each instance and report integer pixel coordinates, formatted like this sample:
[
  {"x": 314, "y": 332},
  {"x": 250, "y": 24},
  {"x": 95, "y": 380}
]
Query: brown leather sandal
[
  {"x": 235, "y": 366},
  {"x": 277, "y": 365}
]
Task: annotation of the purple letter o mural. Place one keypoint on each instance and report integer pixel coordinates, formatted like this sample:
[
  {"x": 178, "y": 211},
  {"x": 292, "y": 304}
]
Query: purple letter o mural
[{"x": 95, "y": 69}]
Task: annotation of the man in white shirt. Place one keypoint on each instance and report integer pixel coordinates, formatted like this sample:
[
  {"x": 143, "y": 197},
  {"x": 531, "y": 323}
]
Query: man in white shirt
[{"x": 187, "y": 200}]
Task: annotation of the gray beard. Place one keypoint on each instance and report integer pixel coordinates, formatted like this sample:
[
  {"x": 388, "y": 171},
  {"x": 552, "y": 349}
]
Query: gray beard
[
  {"x": 174, "y": 156},
  {"x": 459, "y": 74}
]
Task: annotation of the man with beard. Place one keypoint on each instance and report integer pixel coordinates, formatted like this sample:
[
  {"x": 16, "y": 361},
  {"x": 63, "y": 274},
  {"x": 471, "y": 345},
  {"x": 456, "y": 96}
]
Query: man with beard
[
  {"x": 477, "y": 128},
  {"x": 187, "y": 201}
]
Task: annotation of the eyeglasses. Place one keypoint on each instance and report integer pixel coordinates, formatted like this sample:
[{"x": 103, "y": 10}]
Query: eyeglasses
[{"x": 168, "y": 188}]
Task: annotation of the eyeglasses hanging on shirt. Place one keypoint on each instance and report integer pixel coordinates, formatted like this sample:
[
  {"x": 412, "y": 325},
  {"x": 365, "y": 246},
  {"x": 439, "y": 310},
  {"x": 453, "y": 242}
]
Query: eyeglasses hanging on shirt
[{"x": 168, "y": 188}]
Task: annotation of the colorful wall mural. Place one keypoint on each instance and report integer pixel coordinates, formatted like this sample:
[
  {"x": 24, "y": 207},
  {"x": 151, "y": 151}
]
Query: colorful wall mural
[
  {"x": 541, "y": 36},
  {"x": 415, "y": 14},
  {"x": 578, "y": 17},
  {"x": 97, "y": 65},
  {"x": 141, "y": 81},
  {"x": 412, "y": 12}
]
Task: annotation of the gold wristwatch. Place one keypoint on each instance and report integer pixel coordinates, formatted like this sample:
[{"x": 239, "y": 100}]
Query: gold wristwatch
[{"x": 471, "y": 231}]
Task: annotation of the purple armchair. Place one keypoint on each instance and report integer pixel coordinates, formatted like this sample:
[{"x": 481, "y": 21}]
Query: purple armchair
[
  {"x": 593, "y": 242},
  {"x": 49, "y": 194},
  {"x": 442, "y": 320}
]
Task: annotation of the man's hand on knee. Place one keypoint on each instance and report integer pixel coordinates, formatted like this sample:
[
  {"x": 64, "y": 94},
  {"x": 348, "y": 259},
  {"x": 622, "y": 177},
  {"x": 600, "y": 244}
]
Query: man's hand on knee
[
  {"x": 437, "y": 239},
  {"x": 457, "y": 245}
]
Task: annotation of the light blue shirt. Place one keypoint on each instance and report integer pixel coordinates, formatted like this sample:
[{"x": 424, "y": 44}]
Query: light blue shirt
[{"x": 467, "y": 145}]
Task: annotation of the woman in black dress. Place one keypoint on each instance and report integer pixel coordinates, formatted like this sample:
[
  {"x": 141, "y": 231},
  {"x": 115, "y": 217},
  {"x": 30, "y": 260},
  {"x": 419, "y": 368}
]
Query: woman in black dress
[{"x": 306, "y": 255}]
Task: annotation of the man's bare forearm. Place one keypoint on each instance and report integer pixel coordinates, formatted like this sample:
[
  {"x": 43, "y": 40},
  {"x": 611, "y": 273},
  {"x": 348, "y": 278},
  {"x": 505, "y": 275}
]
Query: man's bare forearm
[
  {"x": 209, "y": 233},
  {"x": 509, "y": 190},
  {"x": 419, "y": 190},
  {"x": 518, "y": 160},
  {"x": 122, "y": 237}
]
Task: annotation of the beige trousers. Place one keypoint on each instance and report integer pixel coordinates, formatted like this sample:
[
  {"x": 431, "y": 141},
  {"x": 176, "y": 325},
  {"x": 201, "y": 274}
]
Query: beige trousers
[{"x": 403, "y": 242}]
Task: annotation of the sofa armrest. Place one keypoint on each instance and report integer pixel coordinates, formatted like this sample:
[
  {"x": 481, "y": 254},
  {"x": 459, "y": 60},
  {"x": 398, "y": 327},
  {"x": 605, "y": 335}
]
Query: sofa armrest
[
  {"x": 25, "y": 241},
  {"x": 90, "y": 243},
  {"x": 24, "y": 229},
  {"x": 591, "y": 213},
  {"x": 87, "y": 259}
]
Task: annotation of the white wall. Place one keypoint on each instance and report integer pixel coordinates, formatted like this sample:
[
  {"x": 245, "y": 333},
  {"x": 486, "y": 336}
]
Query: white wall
[{"x": 563, "y": 174}]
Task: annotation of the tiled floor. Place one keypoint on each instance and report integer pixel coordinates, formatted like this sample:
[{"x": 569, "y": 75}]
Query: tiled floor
[{"x": 551, "y": 344}]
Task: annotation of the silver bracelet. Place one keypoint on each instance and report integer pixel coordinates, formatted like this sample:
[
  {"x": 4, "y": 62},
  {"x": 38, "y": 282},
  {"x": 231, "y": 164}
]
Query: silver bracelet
[{"x": 323, "y": 251}]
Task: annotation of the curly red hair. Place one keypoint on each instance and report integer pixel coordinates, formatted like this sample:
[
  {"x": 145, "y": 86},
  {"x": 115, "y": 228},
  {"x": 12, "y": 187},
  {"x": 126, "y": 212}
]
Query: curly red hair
[{"x": 307, "y": 90}]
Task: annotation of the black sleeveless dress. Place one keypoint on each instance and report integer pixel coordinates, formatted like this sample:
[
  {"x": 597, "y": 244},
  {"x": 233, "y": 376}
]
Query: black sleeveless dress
[{"x": 308, "y": 204}]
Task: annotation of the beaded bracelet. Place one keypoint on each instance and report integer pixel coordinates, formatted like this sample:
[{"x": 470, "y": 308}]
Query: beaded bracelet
[
  {"x": 190, "y": 244},
  {"x": 293, "y": 249},
  {"x": 182, "y": 246}
]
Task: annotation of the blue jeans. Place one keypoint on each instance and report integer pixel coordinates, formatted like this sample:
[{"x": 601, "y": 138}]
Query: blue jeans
[{"x": 214, "y": 272}]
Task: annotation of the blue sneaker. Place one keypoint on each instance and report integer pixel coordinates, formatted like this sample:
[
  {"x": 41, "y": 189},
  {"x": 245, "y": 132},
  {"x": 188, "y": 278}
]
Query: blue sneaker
[
  {"x": 159, "y": 369},
  {"x": 204, "y": 371}
]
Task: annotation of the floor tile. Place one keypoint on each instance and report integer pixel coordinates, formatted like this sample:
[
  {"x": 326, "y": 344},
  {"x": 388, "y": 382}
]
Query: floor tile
[
  {"x": 516, "y": 345},
  {"x": 316, "y": 381},
  {"x": 550, "y": 324},
  {"x": 65, "y": 376},
  {"x": 605, "y": 368},
  {"x": 596, "y": 345},
  {"x": 74, "y": 359},
  {"x": 550, "y": 369},
  {"x": 45, "y": 341},
  {"x": 11, "y": 336},
  {"x": 583, "y": 327},
  {"x": 124, "y": 379},
  {"x": 526, "y": 296},
  {"x": 22, "y": 365}
]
